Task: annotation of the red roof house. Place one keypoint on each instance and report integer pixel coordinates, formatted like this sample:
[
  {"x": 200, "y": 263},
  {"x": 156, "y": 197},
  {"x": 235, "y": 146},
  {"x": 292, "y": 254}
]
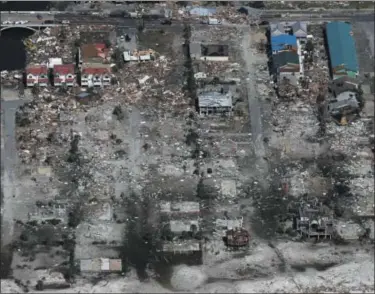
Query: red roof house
[
  {"x": 97, "y": 74},
  {"x": 37, "y": 74},
  {"x": 63, "y": 74}
]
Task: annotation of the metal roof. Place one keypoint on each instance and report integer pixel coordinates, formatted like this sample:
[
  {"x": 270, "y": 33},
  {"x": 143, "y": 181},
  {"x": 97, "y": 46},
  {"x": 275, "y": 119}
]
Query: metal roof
[
  {"x": 280, "y": 41},
  {"x": 341, "y": 45}
]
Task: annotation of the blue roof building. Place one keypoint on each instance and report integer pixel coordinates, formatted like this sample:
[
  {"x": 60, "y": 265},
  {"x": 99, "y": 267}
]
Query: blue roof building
[
  {"x": 342, "y": 50},
  {"x": 283, "y": 42}
]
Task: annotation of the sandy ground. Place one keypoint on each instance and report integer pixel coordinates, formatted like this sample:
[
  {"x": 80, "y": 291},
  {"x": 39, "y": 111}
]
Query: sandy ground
[{"x": 368, "y": 28}]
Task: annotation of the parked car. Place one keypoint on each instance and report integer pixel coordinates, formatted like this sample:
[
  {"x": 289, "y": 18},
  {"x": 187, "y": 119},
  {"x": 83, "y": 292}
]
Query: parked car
[
  {"x": 65, "y": 22},
  {"x": 7, "y": 22},
  {"x": 49, "y": 21}
]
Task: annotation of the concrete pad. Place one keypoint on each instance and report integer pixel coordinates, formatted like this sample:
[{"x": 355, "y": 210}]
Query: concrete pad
[
  {"x": 368, "y": 109},
  {"x": 348, "y": 231},
  {"x": 228, "y": 188},
  {"x": 366, "y": 89},
  {"x": 45, "y": 171}
]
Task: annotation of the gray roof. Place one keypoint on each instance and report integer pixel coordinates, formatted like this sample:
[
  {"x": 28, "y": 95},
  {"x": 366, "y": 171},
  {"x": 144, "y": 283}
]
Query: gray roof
[
  {"x": 346, "y": 79},
  {"x": 215, "y": 99},
  {"x": 195, "y": 48},
  {"x": 344, "y": 99},
  {"x": 299, "y": 29},
  {"x": 277, "y": 28},
  {"x": 215, "y": 50}
]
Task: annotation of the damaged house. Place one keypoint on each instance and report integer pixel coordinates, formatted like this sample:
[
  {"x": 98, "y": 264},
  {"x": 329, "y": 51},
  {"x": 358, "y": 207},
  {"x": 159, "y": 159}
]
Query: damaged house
[
  {"x": 343, "y": 84},
  {"x": 311, "y": 223},
  {"x": 93, "y": 53},
  {"x": 215, "y": 102},
  {"x": 209, "y": 52},
  {"x": 37, "y": 75},
  {"x": 100, "y": 265},
  {"x": 141, "y": 55},
  {"x": 342, "y": 50},
  {"x": 344, "y": 103},
  {"x": 183, "y": 207},
  {"x": 180, "y": 227},
  {"x": 215, "y": 52}
]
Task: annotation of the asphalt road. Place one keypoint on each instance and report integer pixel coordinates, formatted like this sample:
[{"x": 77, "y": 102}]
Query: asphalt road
[{"x": 9, "y": 159}]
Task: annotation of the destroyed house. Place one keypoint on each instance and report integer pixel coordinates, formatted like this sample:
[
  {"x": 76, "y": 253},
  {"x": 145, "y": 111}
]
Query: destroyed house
[
  {"x": 93, "y": 53},
  {"x": 344, "y": 103},
  {"x": 310, "y": 223},
  {"x": 95, "y": 75},
  {"x": 286, "y": 61},
  {"x": 215, "y": 102},
  {"x": 229, "y": 224},
  {"x": 37, "y": 74},
  {"x": 100, "y": 265},
  {"x": 283, "y": 43},
  {"x": 141, "y": 55},
  {"x": 178, "y": 208},
  {"x": 179, "y": 227},
  {"x": 49, "y": 212},
  {"x": 181, "y": 247},
  {"x": 342, "y": 49},
  {"x": 63, "y": 74},
  {"x": 343, "y": 84},
  {"x": 215, "y": 52}
]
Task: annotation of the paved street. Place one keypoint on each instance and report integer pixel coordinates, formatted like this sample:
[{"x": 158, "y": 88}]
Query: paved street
[
  {"x": 255, "y": 111},
  {"x": 9, "y": 158},
  {"x": 32, "y": 18}
]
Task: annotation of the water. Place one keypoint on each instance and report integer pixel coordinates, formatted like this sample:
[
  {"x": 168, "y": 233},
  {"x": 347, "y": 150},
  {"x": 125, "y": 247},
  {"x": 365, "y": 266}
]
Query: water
[
  {"x": 25, "y": 6},
  {"x": 13, "y": 54}
]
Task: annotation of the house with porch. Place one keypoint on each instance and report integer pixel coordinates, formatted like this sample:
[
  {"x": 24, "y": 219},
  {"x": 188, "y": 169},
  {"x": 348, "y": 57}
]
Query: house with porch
[
  {"x": 37, "y": 75},
  {"x": 95, "y": 75},
  {"x": 63, "y": 74}
]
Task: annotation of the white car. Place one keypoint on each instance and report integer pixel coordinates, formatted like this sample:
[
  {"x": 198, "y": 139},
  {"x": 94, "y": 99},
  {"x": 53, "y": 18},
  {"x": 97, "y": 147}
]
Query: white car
[
  {"x": 21, "y": 22},
  {"x": 65, "y": 22},
  {"x": 7, "y": 22}
]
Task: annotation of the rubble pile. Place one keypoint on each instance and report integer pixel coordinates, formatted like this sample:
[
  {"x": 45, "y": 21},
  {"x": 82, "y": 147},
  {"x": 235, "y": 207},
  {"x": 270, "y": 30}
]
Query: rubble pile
[
  {"x": 145, "y": 83},
  {"x": 57, "y": 42},
  {"x": 215, "y": 34},
  {"x": 12, "y": 78},
  {"x": 231, "y": 15}
]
